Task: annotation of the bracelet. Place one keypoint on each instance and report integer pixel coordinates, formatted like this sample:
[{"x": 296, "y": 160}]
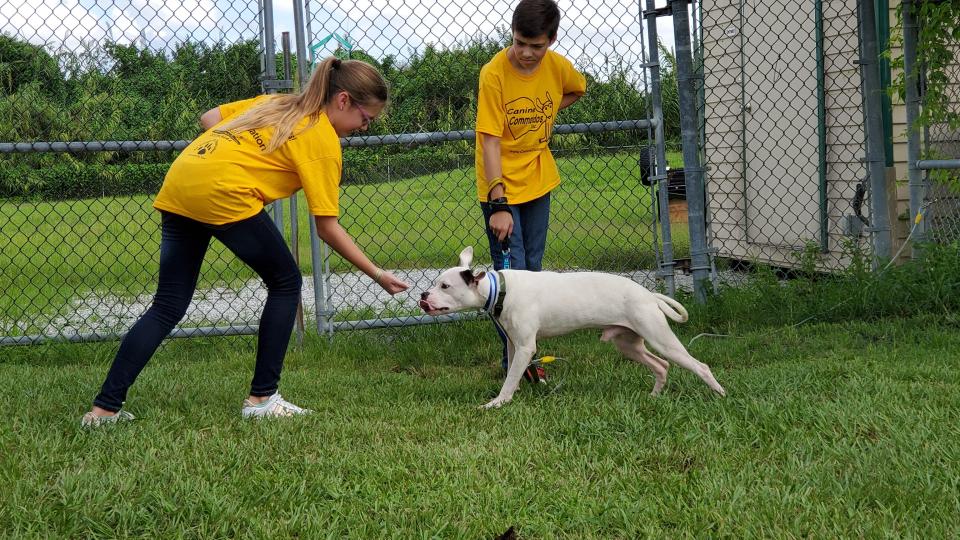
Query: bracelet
[
  {"x": 498, "y": 181},
  {"x": 376, "y": 278},
  {"x": 498, "y": 205}
]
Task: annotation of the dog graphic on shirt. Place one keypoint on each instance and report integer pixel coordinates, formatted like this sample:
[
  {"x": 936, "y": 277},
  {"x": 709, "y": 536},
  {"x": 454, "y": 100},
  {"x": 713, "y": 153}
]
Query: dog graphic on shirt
[{"x": 525, "y": 115}]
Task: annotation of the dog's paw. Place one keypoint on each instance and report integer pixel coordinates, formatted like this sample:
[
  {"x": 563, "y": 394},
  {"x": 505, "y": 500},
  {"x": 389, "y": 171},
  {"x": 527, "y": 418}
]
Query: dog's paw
[{"x": 496, "y": 403}]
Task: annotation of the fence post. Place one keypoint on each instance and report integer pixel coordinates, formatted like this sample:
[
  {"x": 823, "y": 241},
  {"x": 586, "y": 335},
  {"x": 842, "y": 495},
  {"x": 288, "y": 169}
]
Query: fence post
[
  {"x": 693, "y": 172},
  {"x": 318, "y": 251},
  {"x": 667, "y": 264},
  {"x": 912, "y": 98},
  {"x": 268, "y": 79},
  {"x": 294, "y": 213},
  {"x": 873, "y": 120}
]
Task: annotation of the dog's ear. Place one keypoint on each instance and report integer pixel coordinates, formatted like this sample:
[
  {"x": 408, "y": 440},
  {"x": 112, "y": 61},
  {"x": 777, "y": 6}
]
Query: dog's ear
[
  {"x": 470, "y": 278},
  {"x": 466, "y": 256}
]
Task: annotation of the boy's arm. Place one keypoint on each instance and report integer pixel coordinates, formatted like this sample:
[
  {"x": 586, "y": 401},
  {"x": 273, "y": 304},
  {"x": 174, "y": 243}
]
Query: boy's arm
[
  {"x": 492, "y": 165},
  {"x": 501, "y": 223},
  {"x": 569, "y": 99},
  {"x": 574, "y": 85}
]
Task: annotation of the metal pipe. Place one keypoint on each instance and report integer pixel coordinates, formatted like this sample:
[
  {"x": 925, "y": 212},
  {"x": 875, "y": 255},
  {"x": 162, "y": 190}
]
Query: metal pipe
[
  {"x": 821, "y": 129},
  {"x": 360, "y": 141},
  {"x": 912, "y": 102},
  {"x": 404, "y": 321},
  {"x": 246, "y": 330},
  {"x": 666, "y": 269},
  {"x": 469, "y": 135},
  {"x": 873, "y": 120},
  {"x": 693, "y": 172},
  {"x": 269, "y": 49},
  {"x": 315, "y": 249},
  {"x": 936, "y": 164},
  {"x": 648, "y": 155},
  {"x": 91, "y": 146},
  {"x": 294, "y": 214}
]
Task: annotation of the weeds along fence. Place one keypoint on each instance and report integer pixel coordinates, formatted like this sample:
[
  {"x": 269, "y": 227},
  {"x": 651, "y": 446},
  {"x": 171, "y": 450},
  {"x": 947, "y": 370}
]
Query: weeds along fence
[{"x": 98, "y": 99}]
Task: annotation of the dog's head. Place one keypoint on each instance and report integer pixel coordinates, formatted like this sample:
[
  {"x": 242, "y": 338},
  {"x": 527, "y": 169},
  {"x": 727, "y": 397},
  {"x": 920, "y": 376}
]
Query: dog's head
[{"x": 455, "y": 290}]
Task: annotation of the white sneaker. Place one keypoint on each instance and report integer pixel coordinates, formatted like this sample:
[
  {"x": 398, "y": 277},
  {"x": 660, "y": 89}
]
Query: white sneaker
[
  {"x": 92, "y": 420},
  {"x": 274, "y": 406}
]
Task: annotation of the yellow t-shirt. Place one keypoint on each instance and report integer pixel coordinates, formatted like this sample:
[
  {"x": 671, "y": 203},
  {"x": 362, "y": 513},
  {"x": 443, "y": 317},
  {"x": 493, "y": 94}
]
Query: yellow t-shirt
[
  {"x": 222, "y": 178},
  {"x": 520, "y": 110}
]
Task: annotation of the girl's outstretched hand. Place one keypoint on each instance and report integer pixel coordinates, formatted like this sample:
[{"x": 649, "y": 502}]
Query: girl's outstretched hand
[{"x": 392, "y": 284}]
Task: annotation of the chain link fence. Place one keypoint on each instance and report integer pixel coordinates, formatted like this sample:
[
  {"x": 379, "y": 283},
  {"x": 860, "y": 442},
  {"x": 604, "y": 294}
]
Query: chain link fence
[
  {"x": 98, "y": 97},
  {"x": 782, "y": 129},
  {"x": 942, "y": 142},
  {"x": 95, "y": 97},
  {"x": 413, "y": 207}
]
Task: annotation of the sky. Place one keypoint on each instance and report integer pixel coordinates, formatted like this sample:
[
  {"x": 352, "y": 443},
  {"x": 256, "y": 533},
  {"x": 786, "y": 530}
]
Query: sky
[{"x": 590, "y": 31}]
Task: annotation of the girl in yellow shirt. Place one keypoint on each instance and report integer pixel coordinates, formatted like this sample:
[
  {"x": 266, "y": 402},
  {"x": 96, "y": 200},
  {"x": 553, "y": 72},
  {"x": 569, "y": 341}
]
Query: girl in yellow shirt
[{"x": 253, "y": 152}]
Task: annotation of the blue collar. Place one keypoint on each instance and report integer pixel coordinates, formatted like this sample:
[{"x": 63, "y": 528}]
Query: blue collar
[{"x": 496, "y": 294}]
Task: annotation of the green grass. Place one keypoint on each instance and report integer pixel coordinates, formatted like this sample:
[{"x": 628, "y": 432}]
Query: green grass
[
  {"x": 54, "y": 251},
  {"x": 830, "y": 430}
]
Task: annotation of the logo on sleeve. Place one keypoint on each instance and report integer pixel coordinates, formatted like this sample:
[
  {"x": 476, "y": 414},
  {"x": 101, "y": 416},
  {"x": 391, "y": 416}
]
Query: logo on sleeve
[{"x": 206, "y": 148}]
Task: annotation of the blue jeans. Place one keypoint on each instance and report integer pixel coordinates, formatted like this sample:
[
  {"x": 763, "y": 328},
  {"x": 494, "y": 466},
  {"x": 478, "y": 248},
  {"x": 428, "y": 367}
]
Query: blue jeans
[
  {"x": 529, "y": 238},
  {"x": 257, "y": 242},
  {"x": 527, "y": 242}
]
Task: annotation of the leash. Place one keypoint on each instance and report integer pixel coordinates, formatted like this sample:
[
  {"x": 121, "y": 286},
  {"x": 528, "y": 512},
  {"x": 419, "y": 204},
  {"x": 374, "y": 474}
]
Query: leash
[
  {"x": 505, "y": 252},
  {"x": 494, "y": 306}
]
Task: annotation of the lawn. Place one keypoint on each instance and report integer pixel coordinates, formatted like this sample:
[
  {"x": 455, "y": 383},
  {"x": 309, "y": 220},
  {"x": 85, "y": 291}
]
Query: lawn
[{"x": 845, "y": 429}]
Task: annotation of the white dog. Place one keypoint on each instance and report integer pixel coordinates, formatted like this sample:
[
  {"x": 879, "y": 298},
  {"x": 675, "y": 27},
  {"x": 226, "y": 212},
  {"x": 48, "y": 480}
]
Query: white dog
[{"x": 532, "y": 305}]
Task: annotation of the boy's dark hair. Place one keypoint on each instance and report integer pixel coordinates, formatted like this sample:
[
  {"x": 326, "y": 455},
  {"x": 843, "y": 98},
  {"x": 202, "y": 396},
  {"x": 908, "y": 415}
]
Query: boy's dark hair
[{"x": 533, "y": 18}]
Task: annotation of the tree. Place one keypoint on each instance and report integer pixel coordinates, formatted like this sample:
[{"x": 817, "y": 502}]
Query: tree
[{"x": 22, "y": 63}]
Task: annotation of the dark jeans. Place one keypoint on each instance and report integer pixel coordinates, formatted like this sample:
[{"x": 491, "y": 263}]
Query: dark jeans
[
  {"x": 529, "y": 238},
  {"x": 257, "y": 242},
  {"x": 527, "y": 242}
]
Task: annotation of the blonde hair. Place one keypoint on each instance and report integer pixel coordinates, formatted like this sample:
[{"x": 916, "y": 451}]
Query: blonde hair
[{"x": 359, "y": 79}]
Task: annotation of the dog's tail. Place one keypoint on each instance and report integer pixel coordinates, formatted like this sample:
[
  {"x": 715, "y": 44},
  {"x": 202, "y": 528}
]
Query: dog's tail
[{"x": 671, "y": 308}]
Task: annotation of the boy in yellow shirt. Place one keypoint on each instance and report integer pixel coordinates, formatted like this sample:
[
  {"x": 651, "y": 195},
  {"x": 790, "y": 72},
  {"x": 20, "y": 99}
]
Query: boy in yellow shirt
[
  {"x": 521, "y": 90},
  {"x": 254, "y": 152}
]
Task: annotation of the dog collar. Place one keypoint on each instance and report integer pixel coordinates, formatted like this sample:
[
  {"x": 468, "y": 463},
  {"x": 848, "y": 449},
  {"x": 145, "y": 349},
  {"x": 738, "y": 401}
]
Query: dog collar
[{"x": 497, "y": 292}]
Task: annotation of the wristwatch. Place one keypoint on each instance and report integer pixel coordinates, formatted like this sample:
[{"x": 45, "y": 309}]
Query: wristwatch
[{"x": 499, "y": 205}]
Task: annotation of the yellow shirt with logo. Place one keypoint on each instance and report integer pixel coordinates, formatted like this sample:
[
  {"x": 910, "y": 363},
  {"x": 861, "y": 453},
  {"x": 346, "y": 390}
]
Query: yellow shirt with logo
[
  {"x": 520, "y": 109},
  {"x": 224, "y": 177}
]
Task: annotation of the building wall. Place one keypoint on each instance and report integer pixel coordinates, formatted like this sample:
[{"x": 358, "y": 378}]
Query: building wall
[{"x": 731, "y": 43}]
